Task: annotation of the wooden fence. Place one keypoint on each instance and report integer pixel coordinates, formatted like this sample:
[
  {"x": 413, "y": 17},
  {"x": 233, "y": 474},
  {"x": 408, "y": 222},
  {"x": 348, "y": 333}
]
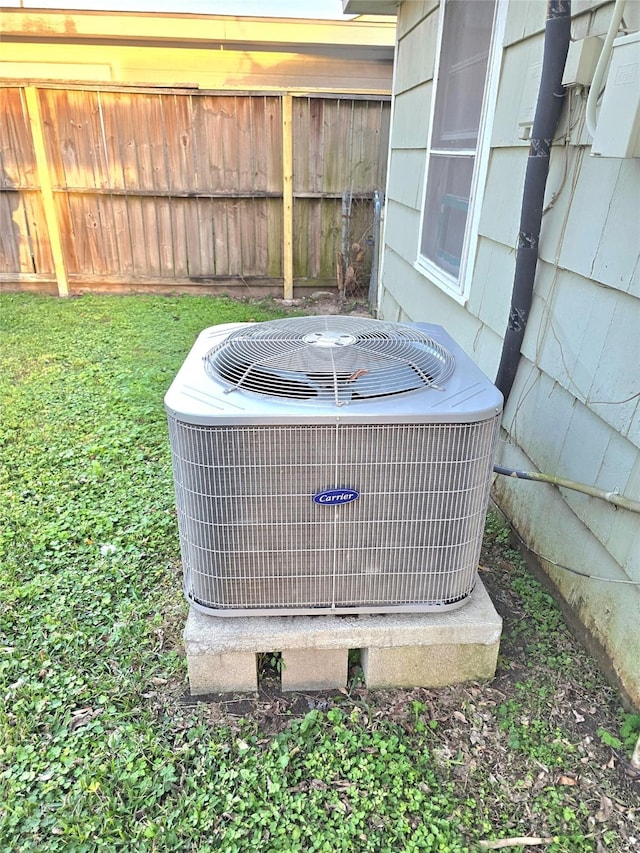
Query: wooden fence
[{"x": 107, "y": 188}]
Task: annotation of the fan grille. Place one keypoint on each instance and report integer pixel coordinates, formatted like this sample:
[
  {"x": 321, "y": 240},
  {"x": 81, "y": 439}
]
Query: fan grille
[{"x": 342, "y": 358}]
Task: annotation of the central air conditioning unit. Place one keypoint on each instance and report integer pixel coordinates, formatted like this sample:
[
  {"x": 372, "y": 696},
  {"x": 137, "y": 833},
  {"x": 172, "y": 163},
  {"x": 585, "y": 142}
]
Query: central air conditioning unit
[{"x": 330, "y": 465}]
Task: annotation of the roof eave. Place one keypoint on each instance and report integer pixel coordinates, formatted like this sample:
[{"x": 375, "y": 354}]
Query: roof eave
[{"x": 370, "y": 7}]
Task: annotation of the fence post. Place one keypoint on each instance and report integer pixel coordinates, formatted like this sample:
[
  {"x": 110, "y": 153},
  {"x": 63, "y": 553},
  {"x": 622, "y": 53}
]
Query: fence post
[
  {"x": 46, "y": 190},
  {"x": 287, "y": 195}
]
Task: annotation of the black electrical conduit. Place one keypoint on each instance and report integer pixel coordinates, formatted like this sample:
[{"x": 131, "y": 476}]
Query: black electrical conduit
[
  {"x": 547, "y": 114},
  {"x": 548, "y": 107},
  {"x": 611, "y": 497}
]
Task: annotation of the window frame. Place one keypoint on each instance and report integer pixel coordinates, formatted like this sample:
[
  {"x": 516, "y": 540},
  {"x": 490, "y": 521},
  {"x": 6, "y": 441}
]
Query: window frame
[{"x": 458, "y": 287}]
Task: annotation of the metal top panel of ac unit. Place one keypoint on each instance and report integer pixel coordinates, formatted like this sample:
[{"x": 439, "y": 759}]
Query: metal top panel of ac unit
[{"x": 329, "y": 369}]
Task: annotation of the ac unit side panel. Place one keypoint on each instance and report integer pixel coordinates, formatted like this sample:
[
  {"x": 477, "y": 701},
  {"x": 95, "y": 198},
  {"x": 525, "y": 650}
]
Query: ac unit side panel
[{"x": 254, "y": 541}]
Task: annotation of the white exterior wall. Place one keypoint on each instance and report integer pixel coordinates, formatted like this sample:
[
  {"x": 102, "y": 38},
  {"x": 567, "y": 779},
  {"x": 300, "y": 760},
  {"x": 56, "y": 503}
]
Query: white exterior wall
[{"x": 574, "y": 410}]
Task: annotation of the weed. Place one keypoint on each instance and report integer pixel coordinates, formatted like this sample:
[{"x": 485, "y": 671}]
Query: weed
[
  {"x": 629, "y": 731},
  {"x": 270, "y": 665}
]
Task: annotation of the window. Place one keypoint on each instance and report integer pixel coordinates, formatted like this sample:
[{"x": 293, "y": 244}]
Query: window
[{"x": 465, "y": 70}]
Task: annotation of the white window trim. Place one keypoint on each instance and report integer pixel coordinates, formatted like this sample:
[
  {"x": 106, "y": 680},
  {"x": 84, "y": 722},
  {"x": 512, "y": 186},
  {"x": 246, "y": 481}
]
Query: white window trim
[{"x": 458, "y": 289}]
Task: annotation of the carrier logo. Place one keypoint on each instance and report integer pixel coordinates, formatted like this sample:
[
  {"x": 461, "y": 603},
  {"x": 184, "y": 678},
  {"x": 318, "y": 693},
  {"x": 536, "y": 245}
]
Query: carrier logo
[{"x": 336, "y": 496}]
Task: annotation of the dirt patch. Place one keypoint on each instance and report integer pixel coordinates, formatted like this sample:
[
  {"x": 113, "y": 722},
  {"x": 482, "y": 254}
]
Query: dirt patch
[{"x": 322, "y": 302}]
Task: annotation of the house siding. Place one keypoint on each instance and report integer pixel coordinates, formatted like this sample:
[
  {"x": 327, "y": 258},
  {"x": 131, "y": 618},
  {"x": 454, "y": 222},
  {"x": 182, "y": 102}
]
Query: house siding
[{"x": 574, "y": 410}]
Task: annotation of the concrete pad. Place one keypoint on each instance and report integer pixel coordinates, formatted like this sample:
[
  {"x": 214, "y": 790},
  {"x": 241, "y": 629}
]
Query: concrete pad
[
  {"x": 399, "y": 649},
  {"x": 314, "y": 669},
  {"x": 229, "y": 672},
  {"x": 437, "y": 665},
  {"x": 474, "y": 622}
]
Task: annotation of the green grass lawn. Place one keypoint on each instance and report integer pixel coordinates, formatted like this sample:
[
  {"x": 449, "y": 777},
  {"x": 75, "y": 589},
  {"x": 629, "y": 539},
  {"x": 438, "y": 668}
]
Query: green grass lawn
[{"x": 97, "y": 750}]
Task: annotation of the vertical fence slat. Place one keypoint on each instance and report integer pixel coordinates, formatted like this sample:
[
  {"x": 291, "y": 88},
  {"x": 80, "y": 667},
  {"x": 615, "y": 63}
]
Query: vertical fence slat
[
  {"x": 42, "y": 165},
  {"x": 10, "y": 232},
  {"x": 16, "y": 149},
  {"x": 287, "y": 195}
]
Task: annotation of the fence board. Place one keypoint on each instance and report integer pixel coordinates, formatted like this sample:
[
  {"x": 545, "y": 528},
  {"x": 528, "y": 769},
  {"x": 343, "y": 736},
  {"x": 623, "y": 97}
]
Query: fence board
[
  {"x": 69, "y": 147},
  {"x": 246, "y": 145},
  {"x": 267, "y": 121},
  {"x": 181, "y": 169},
  {"x": 165, "y": 241},
  {"x": 77, "y": 229},
  {"x": 10, "y": 232},
  {"x": 147, "y": 133},
  {"x": 273, "y": 238},
  {"x": 149, "y": 209},
  {"x": 220, "y": 236},
  {"x": 301, "y": 255},
  {"x": 122, "y": 231},
  {"x": 178, "y": 229},
  {"x": 267, "y": 220},
  {"x": 338, "y": 129},
  {"x": 229, "y": 145},
  {"x": 67, "y": 235},
  {"x": 234, "y": 246},
  {"x": 378, "y": 124},
  {"x": 198, "y": 247},
  {"x": 17, "y": 157},
  {"x": 111, "y": 106},
  {"x": 95, "y": 235},
  {"x": 309, "y": 144},
  {"x": 148, "y": 120},
  {"x": 207, "y": 134},
  {"x": 107, "y": 234},
  {"x": 207, "y": 144},
  {"x": 138, "y": 235},
  {"x": 127, "y": 139},
  {"x": 331, "y": 224}
]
